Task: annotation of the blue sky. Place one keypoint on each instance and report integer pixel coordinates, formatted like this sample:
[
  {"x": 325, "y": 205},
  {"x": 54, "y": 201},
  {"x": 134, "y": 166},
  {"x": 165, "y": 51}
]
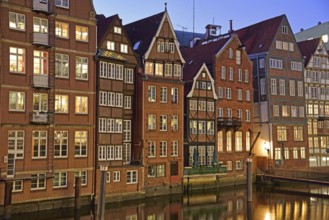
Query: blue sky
[{"x": 300, "y": 13}]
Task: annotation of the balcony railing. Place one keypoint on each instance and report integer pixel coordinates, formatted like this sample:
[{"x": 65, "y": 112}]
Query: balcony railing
[
  {"x": 42, "y": 6},
  {"x": 40, "y": 39},
  {"x": 41, "y": 118},
  {"x": 42, "y": 81},
  {"x": 228, "y": 123}
]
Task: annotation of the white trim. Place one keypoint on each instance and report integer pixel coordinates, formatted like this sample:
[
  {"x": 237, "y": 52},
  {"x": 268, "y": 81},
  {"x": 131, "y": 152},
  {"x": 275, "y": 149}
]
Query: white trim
[
  {"x": 203, "y": 67},
  {"x": 157, "y": 34}
]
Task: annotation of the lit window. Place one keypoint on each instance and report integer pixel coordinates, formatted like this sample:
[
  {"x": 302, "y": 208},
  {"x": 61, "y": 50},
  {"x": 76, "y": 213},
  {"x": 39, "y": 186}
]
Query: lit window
[
  {"x": 61, "y": 144},
  {"x": 110, "y": 45},
  {"x": 40, "y": 102},
  {"x": 40, "y": 62},
  {"x": 298, "y": 133},
  {"x": 159, "y": 69},
  {"x": 61, "y": 103},
  {"x": 163, "y": 94},
  {"x": 163, "y": 123},
  {"x": 81, "y": 33},
  {"x": 151, "y": 122},
  {"x": 17, "y": 60},
  {"x": 16, "y": 21},
  {"x": 117, "y": 30},
  {"x": 62, "y": 3},
  {"x": 282, "y": 133},
  {"x": 81, "y": 68},
  {"x": 149, "y": 68},
  {"x": 39, "y": 141},
  {"x": 62, "y": 29},
  {"x": 81, "y": 105},
  {"x": 174, "y": 95},
  {"x": 62, "y": 66},
  {"x": 16, "y": 101},
  {"x": 80, "y": 143},
  {"x": 123, "y": 48},
  {"x": 40, "y": 25}
]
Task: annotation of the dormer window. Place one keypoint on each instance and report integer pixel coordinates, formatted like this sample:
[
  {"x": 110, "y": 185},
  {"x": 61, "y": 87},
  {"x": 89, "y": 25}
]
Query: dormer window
[{"x": 117, "y": 30}]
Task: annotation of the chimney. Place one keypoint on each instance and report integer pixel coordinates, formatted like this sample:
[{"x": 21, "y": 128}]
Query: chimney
[
  {"x": 302, "y": 29},
  {"x": 319, "y": 22},
  {"x": 211, "y": 30},
  {"x": 231, "y": 27}
]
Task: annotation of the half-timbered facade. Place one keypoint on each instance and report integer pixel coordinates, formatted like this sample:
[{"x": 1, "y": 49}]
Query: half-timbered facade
[
  {"x": 159, "y": 100},
  {"x": 116, "y": 75},
  {"x": 316, "y": 76}
]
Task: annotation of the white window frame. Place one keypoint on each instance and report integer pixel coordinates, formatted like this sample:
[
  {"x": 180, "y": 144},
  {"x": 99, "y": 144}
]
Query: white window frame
[
  {"x": 81, "y": 68},
  {"x": 17, "y": 60},
  {"x": 19, "y": 21},
  {"x": 81, "y": 33},
  {"x": 80, "y": 143},
  {"x": 131, "y": 177},
  {"x": 16, "y": 99}
]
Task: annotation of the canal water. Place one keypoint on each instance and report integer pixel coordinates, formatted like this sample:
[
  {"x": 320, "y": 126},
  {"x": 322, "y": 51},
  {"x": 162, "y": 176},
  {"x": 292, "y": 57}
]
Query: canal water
[{"x": 269, "y": 203}]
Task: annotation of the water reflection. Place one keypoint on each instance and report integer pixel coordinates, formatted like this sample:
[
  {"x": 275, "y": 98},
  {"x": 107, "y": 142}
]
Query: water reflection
[{"x": 225, "y": 203}]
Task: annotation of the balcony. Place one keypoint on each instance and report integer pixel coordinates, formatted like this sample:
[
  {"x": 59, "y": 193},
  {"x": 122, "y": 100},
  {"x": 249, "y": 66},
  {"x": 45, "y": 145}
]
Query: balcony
[
  {"x": 40, "y": 39},
  {"x": 228, "y": 123},
  {"x": 43, "y": 118},
  {"x": 42, "y": 6},
  {"x": 42, "y": 81}
]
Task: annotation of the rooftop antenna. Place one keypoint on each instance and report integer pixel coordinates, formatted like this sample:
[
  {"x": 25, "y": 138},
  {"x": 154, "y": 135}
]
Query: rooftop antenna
[{"x": 183, "y": 30}]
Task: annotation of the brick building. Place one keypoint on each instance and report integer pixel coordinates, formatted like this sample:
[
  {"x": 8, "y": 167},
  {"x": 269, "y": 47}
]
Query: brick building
[
  {"x": 278, "y": 92},
  {"x": 158, "y": 140},
  {"x": 231, "y": 90},
  {"x": 316, "y": 75},
  {"x": 47, "y": 98},
  {"x": 116, "y": 75}
]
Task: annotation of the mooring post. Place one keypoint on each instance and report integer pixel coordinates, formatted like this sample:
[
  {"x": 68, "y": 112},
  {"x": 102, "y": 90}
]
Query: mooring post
[
  {"x": 77, "y": 197},
  {"x": 249, "y": 179},
  {"x": 7, "y": 200},
  {"x": 101, "y": 199}
]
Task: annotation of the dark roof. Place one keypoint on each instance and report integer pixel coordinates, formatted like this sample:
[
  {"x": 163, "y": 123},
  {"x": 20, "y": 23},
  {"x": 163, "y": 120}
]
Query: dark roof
[
  {"x": 307, "y": 48},
  {"x": 103, "y": 24},
  {"x": 196, "y": 56},
  {"x": 143, "y": 31},
  {"x": 184, "y": 38},
  {"x": 258, "y": 37}
]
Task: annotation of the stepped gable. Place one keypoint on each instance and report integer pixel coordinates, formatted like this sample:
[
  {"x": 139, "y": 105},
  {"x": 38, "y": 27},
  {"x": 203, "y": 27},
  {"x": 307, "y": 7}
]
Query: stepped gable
[
  {"x": 258, "y": 37},
  {"x": 102, "y": 25},
  {"x": 307, "y": 48},
  {"x": 143, "y": 31}
]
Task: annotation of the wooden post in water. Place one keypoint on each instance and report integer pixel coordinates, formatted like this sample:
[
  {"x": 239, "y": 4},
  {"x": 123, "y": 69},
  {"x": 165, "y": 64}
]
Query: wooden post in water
[
  {"x": 7, "y": 200},
  {"x": 101, "y": 198},
  {"x": 249, "y": 179},
  {"x": 77, "y": 197}
]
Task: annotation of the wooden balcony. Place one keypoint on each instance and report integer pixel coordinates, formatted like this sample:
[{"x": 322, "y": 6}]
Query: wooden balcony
[
  {"x": 42, "y": 6},
  {"x": 228, "y": 123},
  {"x": 42, "y": 118}
]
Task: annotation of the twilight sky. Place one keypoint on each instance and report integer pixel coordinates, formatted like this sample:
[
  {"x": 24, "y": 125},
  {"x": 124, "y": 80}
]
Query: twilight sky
[{"x": 300, "y": 13}]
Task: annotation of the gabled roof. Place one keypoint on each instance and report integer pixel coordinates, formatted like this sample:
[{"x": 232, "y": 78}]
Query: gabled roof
[
  {"x": 103, "y": 25},
  {"x": 307, "y": 48},
  {"x": 143, "y": 31},
  {"x": 258, "y": 37},
  {"x": 196, "y": 56}
]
